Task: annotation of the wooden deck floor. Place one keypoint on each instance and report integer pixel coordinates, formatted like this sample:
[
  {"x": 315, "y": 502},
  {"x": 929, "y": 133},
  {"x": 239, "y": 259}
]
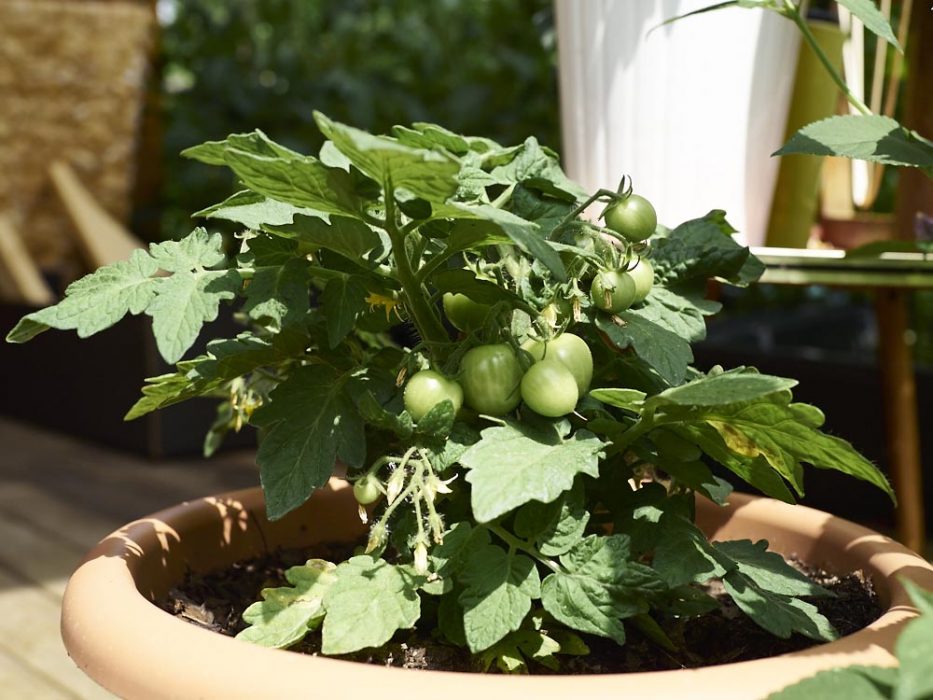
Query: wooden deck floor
[{"x": 58, "y": 497}]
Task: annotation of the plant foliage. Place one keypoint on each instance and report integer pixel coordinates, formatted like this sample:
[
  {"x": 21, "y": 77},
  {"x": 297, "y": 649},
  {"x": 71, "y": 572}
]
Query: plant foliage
[{"x": 511, "y": 534}]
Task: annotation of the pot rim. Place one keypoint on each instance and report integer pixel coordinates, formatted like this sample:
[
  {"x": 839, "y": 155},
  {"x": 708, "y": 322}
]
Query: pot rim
[{"x": 105, "y": 612}]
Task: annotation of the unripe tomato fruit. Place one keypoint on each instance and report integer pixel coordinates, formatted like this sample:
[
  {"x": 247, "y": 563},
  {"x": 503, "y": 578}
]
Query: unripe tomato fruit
[
  {"x": 571, "y": 351},
  {"x": 491, "y": 377},
  {"x": 643, "y": 274},
  {"x": 366, "y": 490},
  {"x": 550, "y": 389},
  {"x": 633, "y": 217},
  {"x": 463, "y": 313},
  {"x": 428, "y": 388},
  {"x": 613, "y": 291}
]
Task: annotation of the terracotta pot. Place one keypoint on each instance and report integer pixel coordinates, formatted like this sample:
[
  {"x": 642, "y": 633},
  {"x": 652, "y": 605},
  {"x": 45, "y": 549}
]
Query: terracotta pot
[{"x": 136, "y": 650}]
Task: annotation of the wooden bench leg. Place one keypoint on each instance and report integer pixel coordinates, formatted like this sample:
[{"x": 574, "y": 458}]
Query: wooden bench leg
[{"x": 900, "y": 411}]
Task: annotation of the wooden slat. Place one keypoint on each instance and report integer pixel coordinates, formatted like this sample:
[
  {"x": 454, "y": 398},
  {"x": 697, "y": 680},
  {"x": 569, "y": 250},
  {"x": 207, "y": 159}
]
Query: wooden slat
[
  {"x": 44, "y": 511},
  {"x": 20, "y": 278},
  {"x": 29, "y": 632},
  {"x": 102, "y": 239},
  {"x": 38, "y": 556},
  {"x": 19, "y": 681}
]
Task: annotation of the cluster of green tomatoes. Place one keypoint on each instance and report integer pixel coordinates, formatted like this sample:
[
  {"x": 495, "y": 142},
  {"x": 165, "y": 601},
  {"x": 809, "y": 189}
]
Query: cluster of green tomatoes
[{"x": 553, "y": 374}]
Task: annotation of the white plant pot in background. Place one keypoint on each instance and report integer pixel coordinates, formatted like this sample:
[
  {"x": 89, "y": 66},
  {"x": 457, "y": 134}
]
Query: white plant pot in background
[{"x": 692, "y": 112}]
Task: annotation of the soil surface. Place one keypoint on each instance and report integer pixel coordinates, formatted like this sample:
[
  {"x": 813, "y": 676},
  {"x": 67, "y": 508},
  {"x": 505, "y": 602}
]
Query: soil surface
[{"x": 215, "y": 601}]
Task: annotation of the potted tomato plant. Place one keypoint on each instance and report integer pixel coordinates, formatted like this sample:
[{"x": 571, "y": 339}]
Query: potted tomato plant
[{"x": 539, "y": 467}]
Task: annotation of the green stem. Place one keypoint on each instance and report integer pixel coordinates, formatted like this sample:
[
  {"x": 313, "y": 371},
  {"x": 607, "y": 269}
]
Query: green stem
[
  {"x": 516, "y": 543},
  {"x": 790, "y": 11},
  {"x": 429, "y": 326},
  {"x": 643, "y": 425}
]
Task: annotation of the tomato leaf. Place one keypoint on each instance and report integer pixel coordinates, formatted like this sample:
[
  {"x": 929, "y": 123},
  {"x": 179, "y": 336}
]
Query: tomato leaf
[
  {"x": 343, "y": 299},
  {"x": 345, "y": 235},
  {"x": 701, "y": 249},
  {"x": 862, "y": 137},
  {"x": 97, "y": 301},
  {"x": 428, "y": 174},
  {"x": 851, "y": 682},
  {"x": 497, "y": 594},
  {"x": 255, "y": 211},
  {"x": 767, "y": 570},
  {"x": 515, "y": 463},
  {"x": 301, "y": 181},
  {"x": 666, "y": 352},
  {"x": 286, "y": 614},
  {"x": 278, "y": 295},
  {"x": 874, "y": 21},
  {"x": 370, "y": 600},
  {"x": 780, "y": 615},
  {"x": 558, "y": 526},
  {"x": 308, "y": 422},
  {"x": 538, "y": 169},
  {"x": 601, "y": 586}
]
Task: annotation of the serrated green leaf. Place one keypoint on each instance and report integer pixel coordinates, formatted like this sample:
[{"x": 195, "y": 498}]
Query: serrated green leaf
[
  {"x": 728, "y": 388},
  {"x": 184, "y": 303},
  {"x": 370, "y": 600},
  {"x": 498, "y": 589},
  {"x": 668, "y": 354},
  {"x": 433, "y": 137},
  {"x": 254, "y": 211},
  {"x": 528, "y": 236},
  {"x": 516, "y": 463},
  {"x": 851, "y": 683},
  {"x": 545, "y": 211},
  {"x": 538, "y": 169},
  {"x": 224, "y": 360},
  {"x": 780, "y": 615},
  {"x": 862, "y": 137},
  {"x": 680, "y": 314},
  {"x": 278, "y": 295},
  {"x": 601, "y": 586},
  {"x": 555, "y": 527},
  {"x": 197, "y": 251},
  {"x": 427, "y": 174},
  {"x": 510, "y": 653},
  {"x": 300, "y": 181},
  {"x": 264, "y": 250},
  {"x": 701, "y": 249},
  {"x": 683, "y": 554},
  {"x": 438, "y": 422},
  {"x": 628, "y": 399},
  {"x": 914, "y": 650},
  {"x": 768, "y": 570},
  {"x": 376, "y": 414},
  {"x": 344, "y": 235},
  {"x": 754, "y": 470},
  {"x": 213, "y": 152},
  {"x": 871, "y": 17},
  {"x": 308, "y": 423},
  {"x": 286, "y": 614},
  {"x": 343, "y": 299},
  {"x": 460, "y": 439},
  {"x": 97, "y": 301}
]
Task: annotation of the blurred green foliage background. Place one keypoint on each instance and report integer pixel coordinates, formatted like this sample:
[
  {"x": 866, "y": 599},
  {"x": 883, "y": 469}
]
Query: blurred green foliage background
[{"x": 483, "y": 67}]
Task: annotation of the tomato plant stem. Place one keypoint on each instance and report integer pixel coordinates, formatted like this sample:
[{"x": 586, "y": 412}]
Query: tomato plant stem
[
  {"x": 516, "y": 543},
  {"x": 790, "y": 11},
  {"x": 429, "y": 326}
]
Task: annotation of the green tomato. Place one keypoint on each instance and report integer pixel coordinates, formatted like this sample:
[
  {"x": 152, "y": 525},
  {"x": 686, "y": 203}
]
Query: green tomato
[
  {"x": 674, "y": 448},
  {"x": 491, "y": 377},
  {"x": 428, "y": 388},
  {"x": 633, "y": 217},
  {"x": 366, "y": 490},
  {"x": 571, "y": 351},
  {"x": 463, "y": 313},
  {"x": 643, "y": 274},
  {"x": 550, "y": 389},
  {"x": 613, "y": 291}
]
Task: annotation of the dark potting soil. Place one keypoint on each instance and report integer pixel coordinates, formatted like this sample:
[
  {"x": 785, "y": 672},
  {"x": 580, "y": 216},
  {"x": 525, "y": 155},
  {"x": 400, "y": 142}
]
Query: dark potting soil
[{"x": 216, "y": 601}]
